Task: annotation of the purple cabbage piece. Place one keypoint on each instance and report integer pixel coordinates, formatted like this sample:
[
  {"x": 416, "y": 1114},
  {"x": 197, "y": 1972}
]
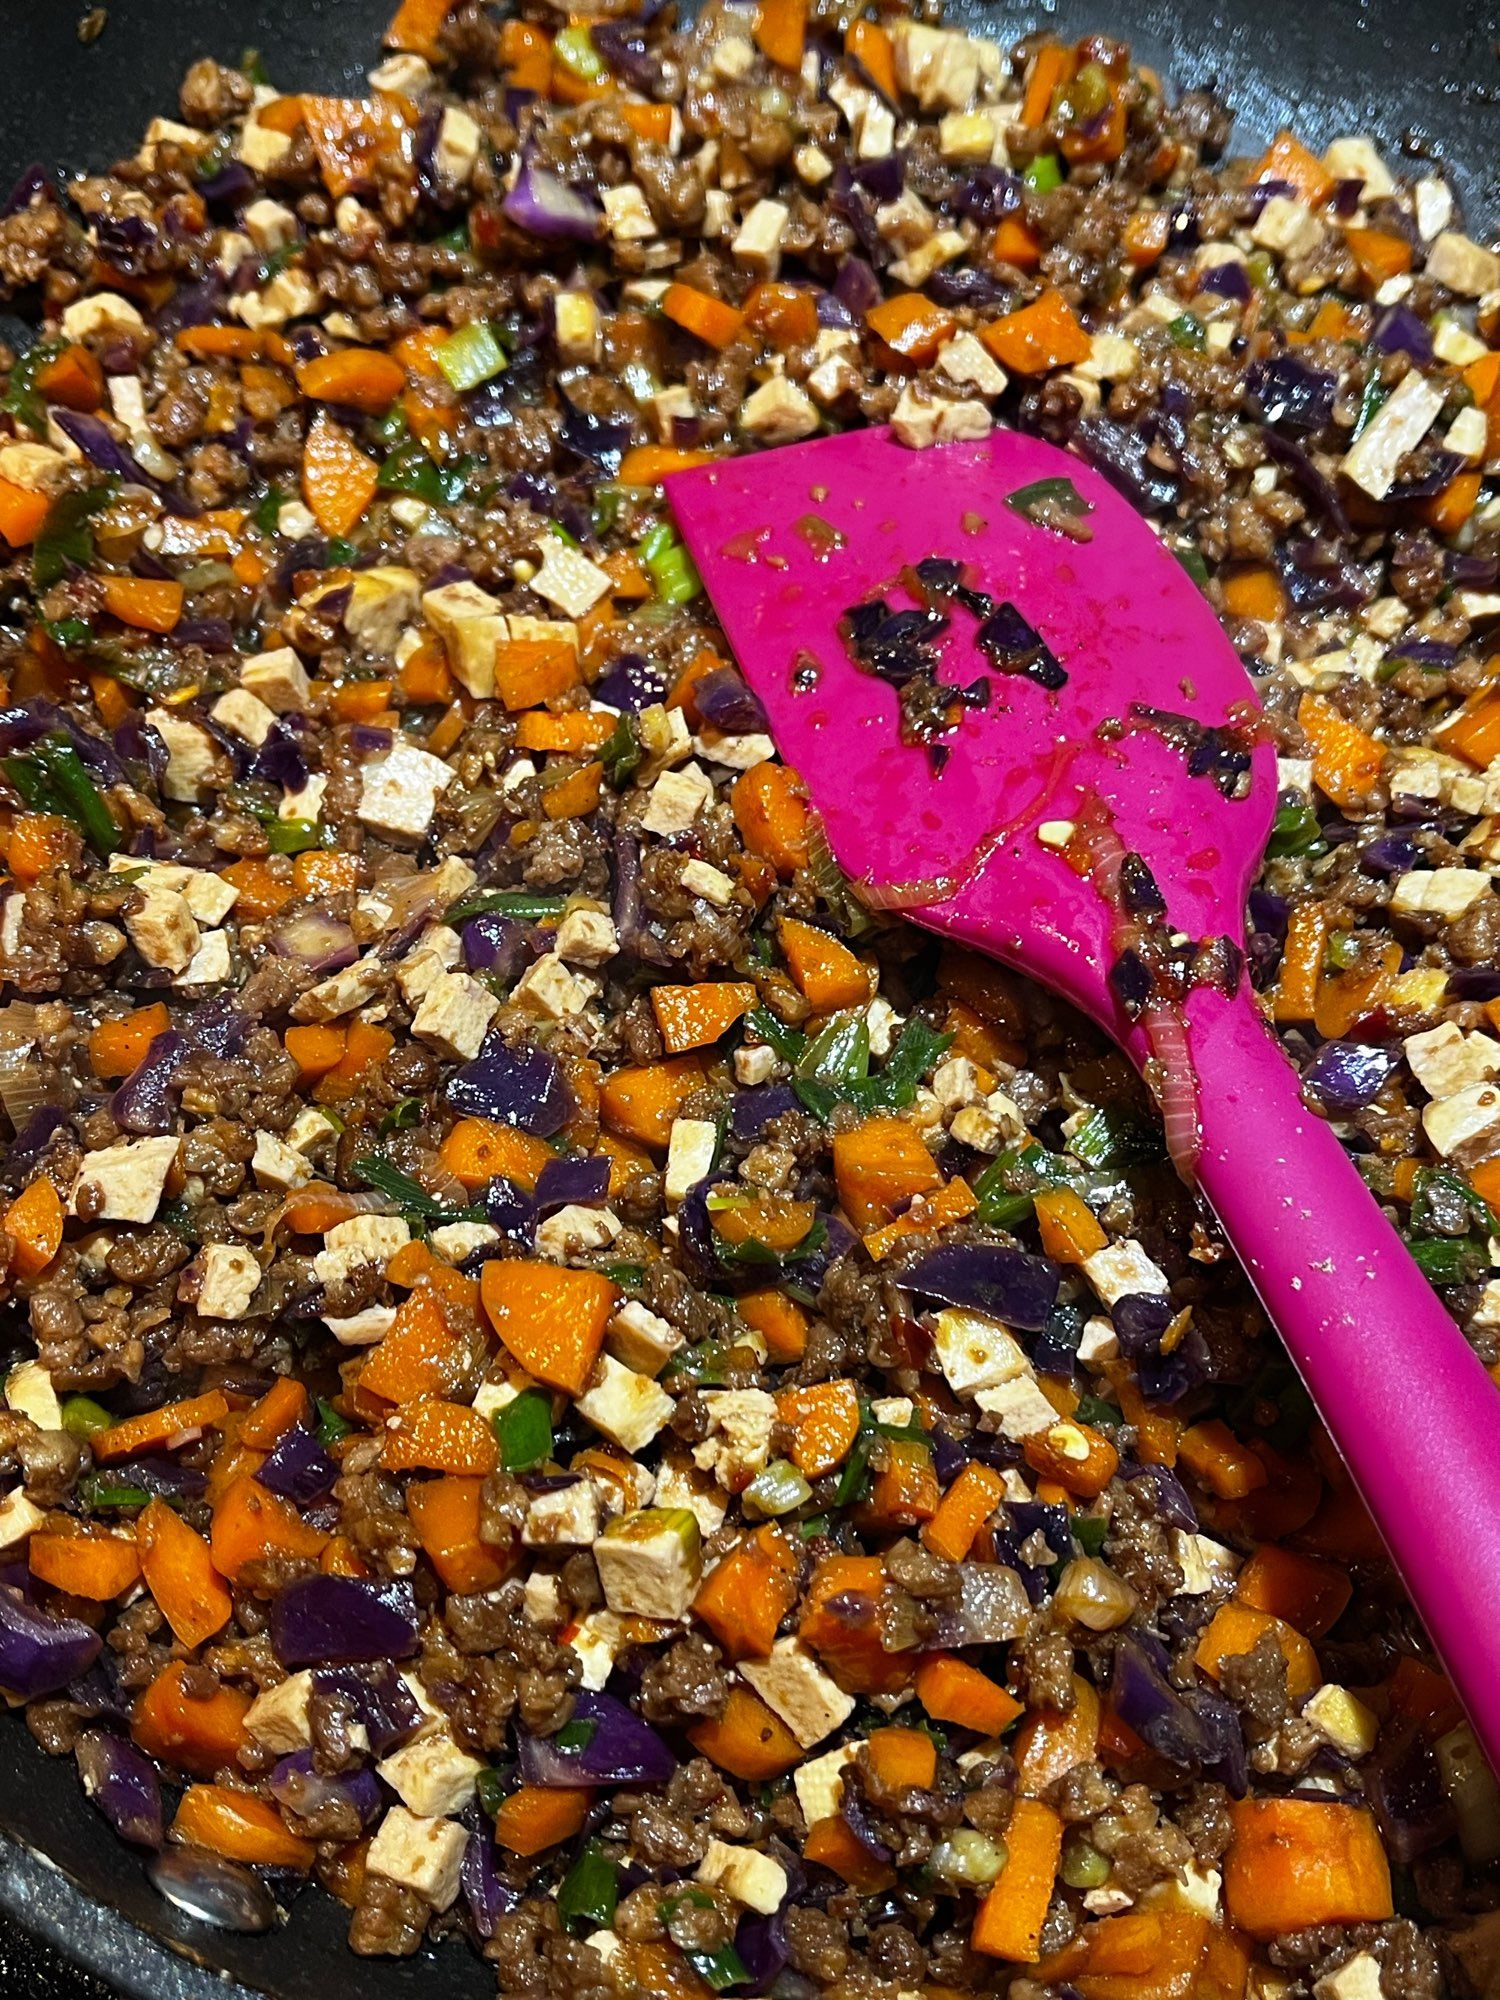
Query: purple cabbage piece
[
  {"x": 521, "y": 1087},
  {"x": 1345, "y": 1076},
  {"x": 234, "y": 182},
  {"x": 341, "y": 1621},
  {"x": 752, "y": 1110},
  {"x": 1167, "y": 1496},
  {"x": 1290, "y": 394},
  {"x": 1465, "y": 982},
  {"x": 210, "y": 635},
  {"x": 1440, "y": 468},
  {"x": 1119, "y": 452},
  {"x": 144, "y": 1102},
  {"x": 856, "y": 287},
  {"x": 1008, "y": 1285},
  {"x": 833, "y": 312},
  {"x": 628, "y": 53},
  {"x": 623, "y": 1750},
  {"x": 499, "y": 944},
  {"x": 1391, "y": 854},
  {"x": 23, "y": 725},
  {"x": 33, "y": 181},
  {"x": 197, "y": 305},
  {"x": 322, "y": 942},
  {"x": 39, "y": 1652},
  {"x": 630, "y": 682},
  {"x": 1269, "y": 912},
  {"x": 727, "y": 703},
  {"x": 296, "y": 1783},
  {"x": 1320, "y": 576},
  {"x": 217, "y": 1027},
  {"x": 510, "y": 1208},
  {"x": 1470, "y": 570},
  {"x": 583, "y": 1178},
  {"x": 547, "y": 207},
  {"x": 601, "y": 441},
  {"x": 298, "y": 1468},
  {"x": 101, "y": 447},
  {"x": 280, "y": 761},
  {"x": 1193, "y": 1737},
  {"x": 121, "y": 1782},
  {"x": 1228, "y": 280},
  {"x": 163, "y": 1478},
  {"x": 1140, "y": 1319},
  {"x": 25, "y": 1151},
  {"x": 1400, "y": 331},
  {"x": 379, "y": 1697},
  {"x": 967, "y": 285},
  {"x": 762, "y": 1945},
  {"x": 1316, "y": 487},
  {"x": 988, "y": 194},
  {"x": 488, "y": 1898},
  {"x": 1414, "y": 1811}
]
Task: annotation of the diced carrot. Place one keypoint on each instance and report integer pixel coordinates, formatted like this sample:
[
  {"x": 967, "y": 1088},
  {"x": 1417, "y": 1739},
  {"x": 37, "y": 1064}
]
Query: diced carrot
[
  {"x": 34, "y": 1224},
  {"x": 947, "y": 1204},
  {"x": 445, "y": 1513},
  {"x": 531, "y": 671},
  {"x": 831, "y": 1844},
  {"x": 536, "y": 1818},
  {"x": 1447, "y": 511},
  {"x": 420, "y": 1356},
  {"x": 94, "y": 1564},
  {"x": 828, "y": 973},
  {"x": 416, "y": 25},
  {"x": 1051, "y": 67},
  {"x": 430, "y": 1435},
  {"x": 1236, "y": 1629},
  {"x": 1214, "y": 1455},
  {"x": 901, "y": 1759},
  {"x": 651, "y": 122},
  {"x": 701, "y": 314},
  {"x": 1069, "y": 1229},
  {"x": 1346, "y": 762},
  {"x": 965, "y": 1507},
  {"x": 1046, "y": 334},
  {"x": 840, "y": 1620},
  {"x": 911, "y": 325},
  {"x": 747, "y": 1739},
  {"x": 241, "y": 1827},
  {"x": 263, "y": 886},
  {"x": 476, "y": 1150},
  {"x": 824, "y": 1419},
  {"x": 780, "y": 1321},
  {"x": 1147, "y": 234},
  {"x": 352, "y": 136},
  {"x": 181, "y": 1576},
  {"x": 526, "y": 56},
  {"x": 905, "y": 1492},
  {"x": 1379, "y": 253},
  {"x": 650, "y": 464},
  {"x": 695, "y": 1017},
  {"x": 1473, "y": 733},
  {"x": 550, "y": 1318},
  {"x": 160, "y": 1429},
  {"x": 576, "y": 795},
  {"x": 316, "y": 1048},
  {"x": 1298, "y": 1589},
  {"x": 151, "y": 604},
  {"x": 251, "y": 1523},
  {"x": 781, "y": 31},
  {"x": 325, "y": 871},
  {"x": 746, "y": 1595},
  {"x": 1296, "y": 996},
  {"x": 642, "y": 1102},
  {"x": 1294, "y": 1864},
  {"x": 366, "y": 1046},
  {"x": 338, "y": 479},
  {"x": 73, "y": 378},
  {"x": 769, "y": 802},
  {"x": 1053, "y": 1741},
  {"x": 198, "y": 1736},
  {"x": 1009, "y": 1924},
  {"x": 1254, "y": 592},
  {"x": 1287, "y": 159},
  {"x": 1015, "y": 242},
  {"x": 282, "y": 1408},
  {"x": 878, "y": 1165},
  {"x": 22, "y": 513},
  {"x": 952, "y": 1691},
  {"x": 575, "y": 731},
  {"x": 871, "y": 47},
  {"x": 38, "y": 843}
]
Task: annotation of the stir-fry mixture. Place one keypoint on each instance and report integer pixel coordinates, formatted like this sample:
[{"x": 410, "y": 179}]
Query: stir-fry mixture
[{"x": 565, "y": 1380}]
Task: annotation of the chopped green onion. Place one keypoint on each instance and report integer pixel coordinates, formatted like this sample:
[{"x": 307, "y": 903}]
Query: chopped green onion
[
  {"x": 778, "y": 1488},
  {"x": 66, "y": 540},
  {"x": 506, "y": 903},
  {"x": 1094, "y": 1410},
  {"x": 1186, "y": 331},
  {"x": 590, "y": 1890},
  {"x": 489, "y": 1789},
  {"x": 50, "y": 777},
  {"x": 668, "y": 565},
  {"x": 789, "y": 1043},
  {"x": 408, "y": 1194},
  {"x": 1192, "y": 561},
  {"x": 97, "y": 1490},
  {"x": 82, "y": 1417},
  {"x": 403, "y": 1116},
  {"x": 1044, "y": 173},
  {"x": 470, "y": 355},
  {"x": 293, "y": 836},
  {"x": 574, "y": 49},
  {"x": 1059, "y": 495},
  {"x": 331, "y": 1426},
  {"x": 621, "y": 752},
  {"x": 524, "y": 1428},
  {"x": 267, "y": 510},
  {"x": 22, "y": 400},
  {"x": 1089, "y": 1531},
  {"x": 1375, "y": 394},
  {"x": 410, "y": 470},
  {"x": 1295, "y": 830},
  {"x": 1113, "y": 1138},
  {"x": 71, "y": 634}
]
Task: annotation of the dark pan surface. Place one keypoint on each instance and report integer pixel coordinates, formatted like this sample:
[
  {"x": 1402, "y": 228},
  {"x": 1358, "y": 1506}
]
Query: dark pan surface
[{"x": 1421, "y": 75}]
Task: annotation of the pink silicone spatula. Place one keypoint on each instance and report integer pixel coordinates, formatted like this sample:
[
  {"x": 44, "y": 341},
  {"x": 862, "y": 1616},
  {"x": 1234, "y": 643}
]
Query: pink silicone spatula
[{"x": 788, "y": 542}]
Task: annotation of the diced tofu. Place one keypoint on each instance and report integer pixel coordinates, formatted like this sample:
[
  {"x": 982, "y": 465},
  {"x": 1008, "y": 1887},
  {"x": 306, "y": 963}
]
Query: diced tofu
[
  {"x": 679, "y": 1485},
  {"x": 819, "y": 1783},
  {"x": 542, "y": 1600},
  {"x": 1438, "y": 892},
  {"x": 642, "y": 1339},
  {"x": 567, "y": 579},
  {"x": 919, "y": 263},
  {"x": 309, "y": 1129},
  {"x": 260, "y": 148},
  {"x": 1288, "y": 227},
  {"x": 1463, "y": 265},
  {"x": 435, "y": 953},
  {"x": 628, "y": 214},
  {"x": 424, "y": 1855},
  {"x": 574, "y": 1231},
  {"x": 1020, "y": 1406},
  {"x": 813, "y": 165},
  {"x": 269, "y": 224},
  {"x": 28, "y": 1389},
  {"x": 920, "y": 420},
  {"x": 1205, "y": 1564},
  {"x": 355, "y": 986},
  {"x": 1356, "y": 159},
  {"x": 162, "y": 929},
  {"x": 230, "y": 1278},
  {"x": 208, "y": 896},
  {"x": 1122, "y": 1268},
  {"x": 470, "y": 624},
  {"x": 1444, "y": 1059},
  {"x": 455, "y": 1015},
  {"x": 795, "y": 1687},
  {"x": 739, "y": 1442},
  {"x": 210, "y": 964},
  {"x": 278, "y": 1720},
  {"x": 290, "y": 295},
  {"x": 752, "y": 1878},
  {"x": 1452, "y": 342},
  {"x": 700, "y": 878},
  {"x": 276, "y": 1164},
  {"x": 628, "y": 1408},
  {"x": 1398, "y": 427},
  {"x": 123, "y": 1182},
  {"x": 383, "y": 603},
  {"x": 1342, "y": 1719},
  {"x": 361, "y": 1329},
  {"x": 1468, "y": 435},
  {"x": 577, "y": 327},
  {"x": 968, "y": 363},
  {"x": 457, "y": 1242},
  {"x": 690, "y": 1156},
  {"x": 399, "y": 793},
  {"x": 939, "y": 66},
  {"x": 596, "y": 1639},
  {"x": 363, "y": 1239},
  {"x": 19, "y": 1517},
  {"x": 101, "y": 313},
  {"x": 33, "y": 466},
  {"x": 987, "y": 1126},
  {"x": 778, "y": 412},
  {"x": 755, "y": 1063},
  {"x": 432, "y": 1777},
  {"x": 650, "y": 1563},
  {"x": 758, "y": 241},
  {"x": 457, "y": 149},
  {"x": 737, "y": 752},
  {"x": 586, "y": 937},
  {"x": 194, "y": 760},
  {"x": 244, "y": 715},
  {"x": 1358, "y": 1978},
  {"x": 1465, "y": 1127},
  {"x": 567, "y": 1518},
  {"x": 278, "y": 679},
  {"x": 549, "y": 989},
  {"x": 733, "y": 58},
  {"x": 1098, "y": 1343},
  {"x": 975, "y": 1353},
  {"x": 1111, "y": 358},
  {"x": 406, "y": 75},
  {"x": 966, "y": 138}
]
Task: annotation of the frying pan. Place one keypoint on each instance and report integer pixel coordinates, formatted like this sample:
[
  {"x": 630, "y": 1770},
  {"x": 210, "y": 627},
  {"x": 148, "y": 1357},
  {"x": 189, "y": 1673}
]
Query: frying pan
[{"x": 1422, "y": 76}]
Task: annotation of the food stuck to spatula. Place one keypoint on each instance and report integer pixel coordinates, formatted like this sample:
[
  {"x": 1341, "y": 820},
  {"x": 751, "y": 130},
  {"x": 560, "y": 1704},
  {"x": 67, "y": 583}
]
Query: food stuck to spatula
[{"x": 566, "y": 1378}]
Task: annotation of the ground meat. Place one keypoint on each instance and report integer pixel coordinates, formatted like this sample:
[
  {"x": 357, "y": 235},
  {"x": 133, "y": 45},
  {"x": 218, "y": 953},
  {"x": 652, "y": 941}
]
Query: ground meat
[
  {"x": 687, "y": 1681},
  {"x": 817, "y": 1945},
  {"x": 1044, "y": 1661},
  {"x": 1256, "y": 1683},
  {"x": 389, "y": 1921}
]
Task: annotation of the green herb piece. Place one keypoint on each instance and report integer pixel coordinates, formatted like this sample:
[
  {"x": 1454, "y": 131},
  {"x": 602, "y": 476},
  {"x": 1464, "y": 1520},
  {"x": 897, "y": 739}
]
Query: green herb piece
[
  {"x": 1089, "y": 1531},
  {"x": 668, "y": 565},
  {"x": 1444, "y": 1204},
  {"x": 82, "y": 1417},
  {"x": 621, "y": 752},
  {"x": 1295, "y": 830},
  {"x": 293, "y": 836},
  {"x": 470, "y": 355},
  {"x": 506, "y": 903},
  {"x": 1044, "y": 173},
  {"x": 410, "y": 470},
  {"x": 66, "y": 540},
  {"x": 409, "y": 1195},
  {"x": 1450, "y": 1260},
  {"x": 489, "y": 1789},
  {"x": 591, "y": 1888},
  {"x": 1341, "y": 952},
  {"x": 839, "y": 1054},
  {"x": 50, "y": 777},
  {"x": 267, "y": 510},
  {"x": 1094, "y": 1410},
  {"x": 391, "y": 429},
  {"x": 1261, "y": 268},
  {"x": 1192, "y": 561},
  {"x": 252, "y": 64},
  {"x": 99, "y": 1492},
  {"x": 918, "y": 1048},
  {"x": 402, "y": 1117},
  {"x": 605, "y": 513},
  {"x": 178, "y": 1217},
  {"x": 276, "y": 261},
  {"x": 455, "y": 239},
  {"x": 524, "y": 1428},
  {"x": 721, "y": 1968},
  {"x": 789, "y": 1043},
  {"x": 1370, "y": 402},
  {"x": 1186, "y": 331},
  {"x": 1048, "y": 496},
  {"x": 331, "y": 1426},
  {"x": 22, "y": 399},
  {"x": 704, "y": 1364},
  {"x": 626, "y": 1276},
  {"x": 574, "y": 49},
  {"x": 1008, "y": 1186},
  {"x": 71, "y": 634},
  {"x": 1115, "y": 1138},
  {"x": 854, "y": 1479}
]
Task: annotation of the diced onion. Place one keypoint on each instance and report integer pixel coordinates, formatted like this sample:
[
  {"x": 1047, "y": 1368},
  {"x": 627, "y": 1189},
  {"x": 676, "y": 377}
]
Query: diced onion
[{"x": 1091, "y": 1594}]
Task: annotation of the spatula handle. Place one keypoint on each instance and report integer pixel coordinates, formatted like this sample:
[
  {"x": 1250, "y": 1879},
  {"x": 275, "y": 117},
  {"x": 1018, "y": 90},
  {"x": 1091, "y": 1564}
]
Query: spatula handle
[{"x": 1405, "y": 1399}]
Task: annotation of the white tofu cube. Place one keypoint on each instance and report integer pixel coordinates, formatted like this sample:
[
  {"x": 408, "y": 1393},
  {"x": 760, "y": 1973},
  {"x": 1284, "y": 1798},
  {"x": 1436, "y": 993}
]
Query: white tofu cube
[
  {"x": 400, "y": 791},
  {"x": 162, "y": 928},
  {"x": 1342, "y": 1719},
  {"x": 1446, "y": 893},
  {"x": 586, "y": 937},
  {"x": 1398, "y": 427},
  {"x": 194, "y": 760},
  {"x": 1356, "y": 159},
  {"x": 470, "y": 624},
  {"x": 1120, "y": 1269},
  {"x": 1021, "y": 1407},
  {"x": 1205, "y": 1564},
  {"x": 363, "y": 1239},
  {"x": 1465, "y": 1127},
  {"x": 455, "y": 1015},
  {"x": 432, "y": 1777},
  {"x": 269, "y": 224},
  {"x": 628, "y": 214},
  {"x": 424, "y": 1855},
  {"x": 680, "y": 1485},
  {"x": 123, "y": 1182},
  {"x": 650, "y": 1563},
  {"x": 549, "y": 989},
  {"x": 1444, "y": 1059},
  {"x": 975, "y": 1353},
  {"x": 642, "y": 1339},
  {"x": 751, "y": 1878},
  {"x": 261, "y": 148},
  {"x": 794, "y": 1687},
  {"x": 276, "y": 1164},
  {"x": 819, "y": 1783},
  {"x": 968, "y": 363},
  {"x": 457, "y": 151},
  {"x": 278, "y": 1718},
  {"x": 101, "y": 313},
  {"x": 210, "y": 965},
  {"x": 574, "y": 1231},
  {"x": 1288, "y": 227},
  {"x": 1358, "y": 1978},
  {"x": 739, "y": 1443},
  {"x": 568, "y": 579},
  {"x": 361, "y": 1329},
  {"x": 19, "y": 1518},
  {"x": 700, "y": 878},
  {"x": 778, "y": 412},
  {"x": 279, "y": 680},
  {"x": 565, "y": 1519},
  {"x": 29, "y": 1390},
  {"x": 758, "y": 241},
  {"x": 577, "y": 327},
  {"x": 628, "y": 1408},
  {"x": 230, "y": 1279},
  {"x": 690, "y": 1156},
  {"x": 596, "y": 1639},
  {"x": 1463, "y": 265}
]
